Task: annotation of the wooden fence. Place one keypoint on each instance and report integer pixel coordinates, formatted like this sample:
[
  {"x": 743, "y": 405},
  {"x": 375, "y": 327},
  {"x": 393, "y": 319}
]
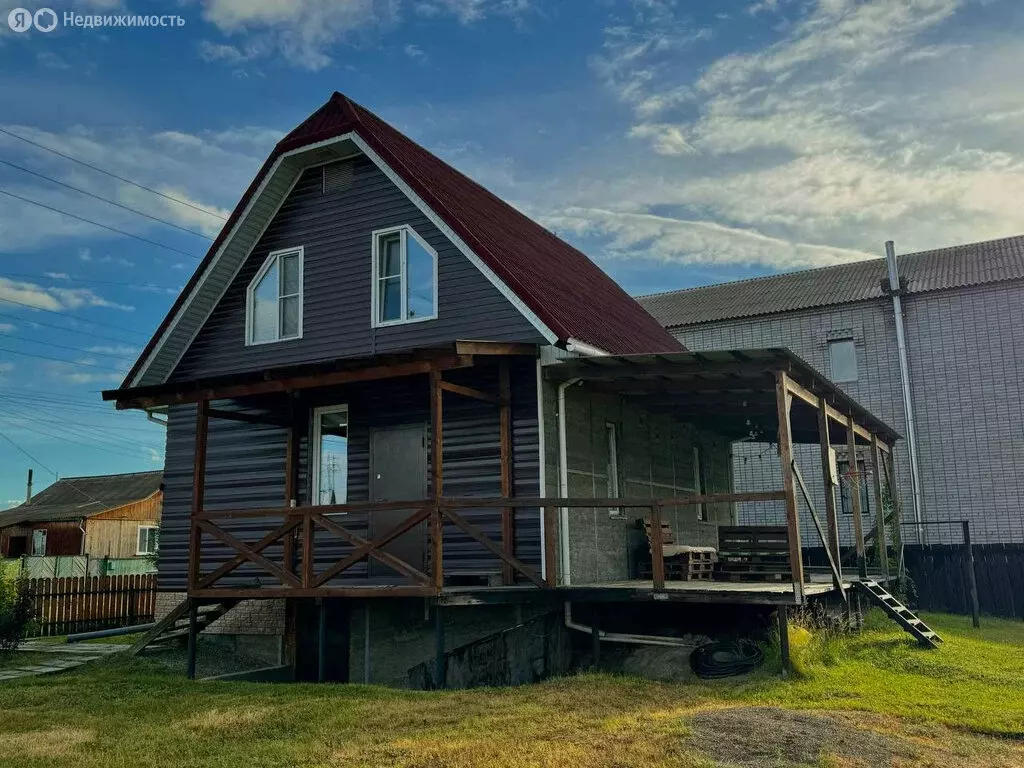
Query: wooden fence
[
  {"x": 939, "y": 573},
  {"x": 65, "y": 605}
]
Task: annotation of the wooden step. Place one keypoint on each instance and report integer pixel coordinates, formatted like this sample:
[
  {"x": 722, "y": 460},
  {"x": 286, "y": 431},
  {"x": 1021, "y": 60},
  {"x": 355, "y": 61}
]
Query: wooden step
[{"x": 899, "y": 613}]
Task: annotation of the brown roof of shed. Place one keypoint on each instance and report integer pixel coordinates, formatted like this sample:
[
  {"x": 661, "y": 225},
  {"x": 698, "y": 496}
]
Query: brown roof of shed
[
  {"x": 570, "y": 294},
  {"x": 73, "y": 498},
  {"x": 942, "y": 269}
]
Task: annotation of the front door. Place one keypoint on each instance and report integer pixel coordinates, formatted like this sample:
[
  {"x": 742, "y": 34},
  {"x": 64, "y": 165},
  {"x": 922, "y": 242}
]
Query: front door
[{"x": 398, "y": 472}]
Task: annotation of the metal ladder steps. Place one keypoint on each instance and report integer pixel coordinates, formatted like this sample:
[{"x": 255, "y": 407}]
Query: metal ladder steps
[{"x": 899, "y": 613}]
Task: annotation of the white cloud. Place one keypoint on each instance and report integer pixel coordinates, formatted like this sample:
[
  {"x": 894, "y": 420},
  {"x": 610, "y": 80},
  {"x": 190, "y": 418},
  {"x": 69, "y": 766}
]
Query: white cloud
[
  {"x": 6, "y": 327},
  {"x": 120, "y": 349},
  {"x": 414, "y": 52},
  {"x": 304, "y": 32},
  {"x": 667, "y": 239},
  {"x": 32, "y": 296},
  {"x": 864, "y": 120}
]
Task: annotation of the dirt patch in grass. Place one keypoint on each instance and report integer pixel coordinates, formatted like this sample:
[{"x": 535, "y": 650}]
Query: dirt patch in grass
[
  {"x": 55, "y": 742},
  {"x": 767, "y": 737},
  {"x": 226, "y": 719}
]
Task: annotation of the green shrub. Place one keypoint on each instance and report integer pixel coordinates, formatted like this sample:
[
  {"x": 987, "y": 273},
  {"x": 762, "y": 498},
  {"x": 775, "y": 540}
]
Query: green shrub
[{"x": 15, "y": 612}]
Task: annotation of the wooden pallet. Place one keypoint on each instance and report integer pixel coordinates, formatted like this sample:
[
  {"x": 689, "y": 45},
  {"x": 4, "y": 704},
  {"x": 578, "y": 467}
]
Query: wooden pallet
[{"x": 753, "y": 553}]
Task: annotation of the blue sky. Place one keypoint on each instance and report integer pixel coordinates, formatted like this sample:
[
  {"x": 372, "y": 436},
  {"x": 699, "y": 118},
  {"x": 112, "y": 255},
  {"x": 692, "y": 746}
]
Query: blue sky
[{"x": 677, "y": 143}]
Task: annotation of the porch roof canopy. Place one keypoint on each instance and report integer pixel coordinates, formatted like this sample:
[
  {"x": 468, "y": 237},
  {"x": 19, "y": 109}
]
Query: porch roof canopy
[{"x": 732, "y": 392}]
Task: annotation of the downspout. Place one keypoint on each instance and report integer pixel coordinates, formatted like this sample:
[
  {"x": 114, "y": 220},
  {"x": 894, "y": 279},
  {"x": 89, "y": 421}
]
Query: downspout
[
  {"x": 622, "y": 637},
  {"x": 563, "y": 483},
  {"x": 541, "y": 467},
  {"x": 908, "y": 407}
]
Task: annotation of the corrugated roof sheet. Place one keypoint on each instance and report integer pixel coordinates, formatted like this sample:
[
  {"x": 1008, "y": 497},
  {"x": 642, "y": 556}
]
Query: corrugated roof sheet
[
  {"x": 72, "y": 498},
  {"x": 942, "y": 269},
  {"x": 569, "y": 293}
]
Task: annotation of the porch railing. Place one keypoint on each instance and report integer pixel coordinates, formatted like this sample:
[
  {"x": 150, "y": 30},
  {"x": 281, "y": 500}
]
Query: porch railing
[{"x": 297, "y": 575}]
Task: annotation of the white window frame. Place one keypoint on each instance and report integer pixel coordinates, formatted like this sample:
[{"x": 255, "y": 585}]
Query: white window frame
[
  {"x": 404, "y": 232},
  {"x": 43, "y": 532},
  {"x": 317, "y": 433},
  {"x": 138, "y": 539},
  {"x": 250, "y": 307}
]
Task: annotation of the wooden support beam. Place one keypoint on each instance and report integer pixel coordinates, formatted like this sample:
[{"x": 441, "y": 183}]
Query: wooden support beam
[
  {"x": 830, "y": 410},
  {"x": 828, "y": 486},
  {"x": 198, "y": 490},
  {"x": 858, "y": 522},
  {"x": 307, "y": 552},
  {"x": 193, "y": 637},
  {"x": 476, "y": 394},
  {"x": 657, "y": 548},
  {"x": 833, "y": 560},
  {"x": 469, "y": 347},
  {"x": 291, "y": 483},
  {"x": 784, "y": 403},
  {"x": 437, "y": 548},
  {"x": 250, "y": 554},
  {"x": 508, "y": 535},
  {"x": 321, "y": 643},
  {"x": 264, "y": 421},
  {"x": 475, "y": 533},
  {"x": 140, "y": 398},
  {"x": 365, "y": 548},
  {"x": 881, "y": 539},
  {"x": 783, "y": 621},
  {"x": 284, "y": 530},
  {"x": 436, "y": 435}
]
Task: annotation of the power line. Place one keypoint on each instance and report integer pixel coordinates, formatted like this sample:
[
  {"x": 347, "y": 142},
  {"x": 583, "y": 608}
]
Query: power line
[
  {"x": 75, "y": 317},
  {"x": 61, "y": 278},
  {"x": 116, "y": 356},
  {"x": 30, "y": 456},
  {"x": 60, "y": 360},
  {"x": 103, "y": 199},
  {"x": 21, "y": 318},
  {"x": 113, "y": 175},
  {"x": 97, "y": 224}
]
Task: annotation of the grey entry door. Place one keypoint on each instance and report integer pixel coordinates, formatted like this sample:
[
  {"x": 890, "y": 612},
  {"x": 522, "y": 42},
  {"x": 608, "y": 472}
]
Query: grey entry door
[{"x": 398, "y": 472}]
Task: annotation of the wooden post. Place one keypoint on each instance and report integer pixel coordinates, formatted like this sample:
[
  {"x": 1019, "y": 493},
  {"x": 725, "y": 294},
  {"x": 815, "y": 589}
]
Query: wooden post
[
  {"x": 437, "y": 548},
  {"x": 783, "y": 620},
  {"x": 881, "y": 536},
  {"x": 321, "y": 643},
  {"x": 437, "y": 475},
  {"x": 657, "y": 548},
  {"x": 440, "y": 668},
  {"x": 550, "y": 522},
  {"x": 830, "y": 490},
  {"x": 858, "y": 523},
  {"x": 505, "y": 450},
  {"x": 307, "y": 552},
  {"x": 198, "y": 490},
  {"x": 784, "y": 401},
  {"x": 291, "y": 466},
  {"x": 193, "y": 632},
  {"x": 889, "y": 463},
  {"x": 972, "y": 576}
]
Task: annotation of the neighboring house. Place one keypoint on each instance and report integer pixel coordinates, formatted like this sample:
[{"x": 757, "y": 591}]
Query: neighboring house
[
  {"x": 106, "y": 516},
  {"x": 374, "y": 376},
  {"x": 963, "y": 313}
]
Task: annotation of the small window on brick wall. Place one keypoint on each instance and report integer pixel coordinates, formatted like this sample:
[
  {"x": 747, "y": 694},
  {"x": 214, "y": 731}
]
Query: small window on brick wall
[{"x": 842, "y": 358}]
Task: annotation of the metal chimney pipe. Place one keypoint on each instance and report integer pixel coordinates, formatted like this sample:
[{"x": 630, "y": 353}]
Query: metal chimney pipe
[
  {"x": 28, "y": 488},
  {"x": 908, "y": 406}
]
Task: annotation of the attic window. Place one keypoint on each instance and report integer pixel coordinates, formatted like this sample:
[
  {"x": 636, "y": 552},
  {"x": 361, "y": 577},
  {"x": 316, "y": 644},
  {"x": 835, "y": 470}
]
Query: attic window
[
  {"x": 338, "y": 176},
  {"x": 404, "y": 277},
  {"x": 273, "y": 303}
]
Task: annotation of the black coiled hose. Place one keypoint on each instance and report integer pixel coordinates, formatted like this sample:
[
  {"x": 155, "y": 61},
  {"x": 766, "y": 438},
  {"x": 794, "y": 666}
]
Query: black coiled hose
[{"x": 725, "y": 659}]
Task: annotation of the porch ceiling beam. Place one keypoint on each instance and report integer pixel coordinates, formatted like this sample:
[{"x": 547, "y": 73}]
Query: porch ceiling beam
[
  {"x": 248, "y": 418},
  {"x": 476, "y": 394},
  {"x": 139, "y": 399},
  {"x": 469, "y": 347},
  {"x": 813, "y": 400},
  {"x": 712, "y": 376}
]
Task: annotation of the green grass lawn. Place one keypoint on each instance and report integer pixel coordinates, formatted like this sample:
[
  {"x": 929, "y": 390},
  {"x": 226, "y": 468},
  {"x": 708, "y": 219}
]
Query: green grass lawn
[{"x": 866, "y": 700}]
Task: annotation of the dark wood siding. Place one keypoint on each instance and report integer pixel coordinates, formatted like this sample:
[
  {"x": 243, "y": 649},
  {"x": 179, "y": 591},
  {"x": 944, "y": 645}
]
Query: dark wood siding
[
  {"x": 335, "y": 230},
  {"x": 245, "y": 468}
]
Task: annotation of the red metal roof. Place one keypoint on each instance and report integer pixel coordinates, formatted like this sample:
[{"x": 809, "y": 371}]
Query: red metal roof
[{"x": 569, "y": 293}]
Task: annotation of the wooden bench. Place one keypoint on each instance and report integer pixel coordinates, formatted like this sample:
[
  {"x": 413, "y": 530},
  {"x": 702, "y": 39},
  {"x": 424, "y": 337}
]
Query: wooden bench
[{"x": 682, "y": 562}]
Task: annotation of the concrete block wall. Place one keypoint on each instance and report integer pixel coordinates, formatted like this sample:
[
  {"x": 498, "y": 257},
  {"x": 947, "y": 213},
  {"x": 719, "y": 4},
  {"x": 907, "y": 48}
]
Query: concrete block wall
[
  {"x": 250, "y": 617},
  {"x": 656, "y": 459},
  {"x": 401, "y": 634}
]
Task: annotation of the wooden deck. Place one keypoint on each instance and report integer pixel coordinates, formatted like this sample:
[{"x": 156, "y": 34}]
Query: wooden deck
[{"x": 730, "y": 592}]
